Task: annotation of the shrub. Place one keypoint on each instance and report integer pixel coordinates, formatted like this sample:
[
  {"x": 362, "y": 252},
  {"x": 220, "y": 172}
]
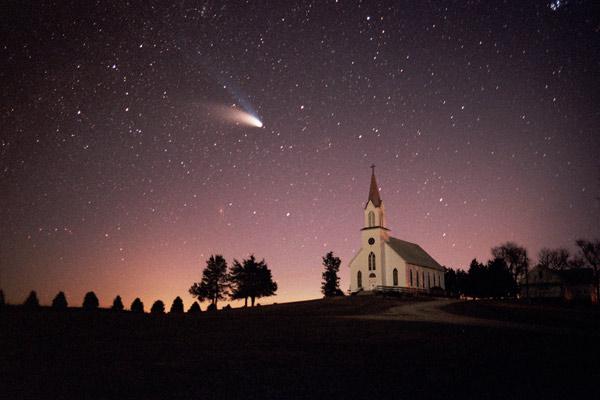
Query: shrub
[
  {"x": 137, "y": 306},
  {"x": 117, "y": 304},
  {"x": 32, "y": 301},
  {"x": 158, "y": 307},
  {"x": 194, "y": 308},
  {"x": 177, "y": 306},
  {"x": 60, "y": 301},
  {"x": 90, "y": 301}
]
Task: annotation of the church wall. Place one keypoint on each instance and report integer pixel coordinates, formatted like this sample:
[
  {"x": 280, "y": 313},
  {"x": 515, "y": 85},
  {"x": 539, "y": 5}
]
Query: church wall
[{"x": 393, "y": 260}]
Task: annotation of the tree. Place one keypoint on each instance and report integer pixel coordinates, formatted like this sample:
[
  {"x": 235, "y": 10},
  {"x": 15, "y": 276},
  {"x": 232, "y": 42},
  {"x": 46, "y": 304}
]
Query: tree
[
  {"x": 2, "y": 301},
  {"x": 331, "y": 282},
  {"x": 500, "y": 282},
  {"x": 177, "y": 306},
  {"x": 117, "y": 304},
  {"x": 556, "y": 259},
  {"x": 214, "y": 285},
  {"x": 60, "y": 301},
  {"x": 32, "y": 301},
  {"x": 194, "y": 308},
  {"x": 158, "y": 307},
  {"x": 90, "y": 301},
  {"x": 137, "y": 306},
  {"x": 251, "y": 279},
  {"x": 516, "y": 259},
  {"x": 590, "y": 253}
]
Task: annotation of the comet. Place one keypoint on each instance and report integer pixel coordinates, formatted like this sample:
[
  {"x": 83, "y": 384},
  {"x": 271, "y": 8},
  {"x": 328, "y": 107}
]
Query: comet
[{"x": 235, "y": 115}]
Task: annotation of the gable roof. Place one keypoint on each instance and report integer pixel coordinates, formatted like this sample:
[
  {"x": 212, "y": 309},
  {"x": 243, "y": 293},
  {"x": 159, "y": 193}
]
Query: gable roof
[{"x": 413, "y": 254}]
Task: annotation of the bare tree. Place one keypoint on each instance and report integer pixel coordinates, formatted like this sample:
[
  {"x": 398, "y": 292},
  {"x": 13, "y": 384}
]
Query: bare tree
[
  {"x": 516, "y": 259},
  {"x": 590, "y": 253},
  {"x": 557, "y": 259}
]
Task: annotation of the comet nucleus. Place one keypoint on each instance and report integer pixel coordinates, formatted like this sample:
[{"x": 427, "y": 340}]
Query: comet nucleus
[{"x": 236, "y": 115}]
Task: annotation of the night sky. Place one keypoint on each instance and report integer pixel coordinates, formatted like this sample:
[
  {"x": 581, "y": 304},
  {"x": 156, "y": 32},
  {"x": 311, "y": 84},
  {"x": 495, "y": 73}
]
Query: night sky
[{"x": 123, "y": 167}]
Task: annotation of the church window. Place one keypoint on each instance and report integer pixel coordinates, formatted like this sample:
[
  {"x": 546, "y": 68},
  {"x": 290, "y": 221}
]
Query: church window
[
  {"x": 371, "y": 218},
  {"x": 395, "y": 277},
  {"x": 418, "y": 279},
  {"x": 371, "y": 275},
  {"x": 429, "y": 279},
  {"x": 359, "y": 279},
  {"x": 411, "y": 279},
  {"x": 423, "y": 277},
  {"x": 371, "y": 261}
]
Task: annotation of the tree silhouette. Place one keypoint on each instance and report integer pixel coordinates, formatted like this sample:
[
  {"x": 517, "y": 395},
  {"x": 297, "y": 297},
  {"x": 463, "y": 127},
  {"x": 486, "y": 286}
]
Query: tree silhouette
[
  {"x": 516, "y": 259},
  {"x": 556, "y": 259},
  {"x": 194, "y": 308},
  {"x": 90, "y": 301},
  {"x": 32, "y": 301},
  {"x": 331, "y": 282},
  {"x": 117, "y": 304},
  {"x": 590, "y": 252},
  {"x": 177, "y": 306},
  {"x": 251, "y": 279},
  {"x": 60, "y": 301},
  {"x": 158, "y": 307},
  {"x": 137, "y": 306},
  {"x": 214, "y": 285},
  {"x": 2, "y": 301}
]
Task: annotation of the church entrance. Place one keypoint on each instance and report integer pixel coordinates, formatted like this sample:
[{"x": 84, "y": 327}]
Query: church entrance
[{"x": 372, "y": 281}]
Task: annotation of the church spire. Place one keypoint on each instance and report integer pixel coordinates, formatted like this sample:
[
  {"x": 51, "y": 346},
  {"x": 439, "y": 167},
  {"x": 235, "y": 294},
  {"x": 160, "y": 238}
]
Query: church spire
[{"x": 374, "y": 189}]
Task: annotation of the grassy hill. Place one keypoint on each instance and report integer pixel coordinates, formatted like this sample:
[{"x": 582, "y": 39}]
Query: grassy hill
[{"x": 297, "y": 350}]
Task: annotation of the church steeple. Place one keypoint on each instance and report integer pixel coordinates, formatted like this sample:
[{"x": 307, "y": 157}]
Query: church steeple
[{"x": 374, "y": 190}]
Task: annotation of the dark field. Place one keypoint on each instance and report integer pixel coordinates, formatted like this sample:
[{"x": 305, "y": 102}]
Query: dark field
[{"x": 301, "y": 350}]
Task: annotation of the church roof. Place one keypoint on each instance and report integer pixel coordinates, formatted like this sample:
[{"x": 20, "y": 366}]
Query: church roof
[
  {"x": 374, "y": 191},
  {"x": 413, "y": 253}
]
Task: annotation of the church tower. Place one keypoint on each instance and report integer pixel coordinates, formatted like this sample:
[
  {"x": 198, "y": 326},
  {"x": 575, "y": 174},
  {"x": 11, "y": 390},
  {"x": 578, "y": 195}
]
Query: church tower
[{"x": 374, "y": 234}]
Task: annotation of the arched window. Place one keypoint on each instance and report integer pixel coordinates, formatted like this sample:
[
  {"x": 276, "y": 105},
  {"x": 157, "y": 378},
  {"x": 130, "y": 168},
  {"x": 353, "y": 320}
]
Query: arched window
[
  {"x": 429, "y": 279},
  {"x": 371, "y": 261},
  {"x": 371, "y": 218},
  {"x": 359, "y": 279},
  {"x": 395, "y": 277},
  {"x": 411, "y": 280},
  {"x": 418, "y": 279}
]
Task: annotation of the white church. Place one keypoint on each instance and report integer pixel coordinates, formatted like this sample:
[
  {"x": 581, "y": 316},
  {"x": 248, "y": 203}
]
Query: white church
[{"x": 386, "y": 263}]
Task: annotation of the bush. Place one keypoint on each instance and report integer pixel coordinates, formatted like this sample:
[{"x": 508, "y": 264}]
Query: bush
[
  {"x": 117, "y": 304},
  {"x": 32, "y": 301},
  {"x": 227, "y": 307},
  {"x": 60, "y": 301},
  {"x": 195, "y": 308},
  {"x": 211, "y": 307},
  {"x": 158, "y": 307},
  {"x": 90, "y": 301},
  {"x": 137, "y": 306},
  {"x": 177, "y": 306}
]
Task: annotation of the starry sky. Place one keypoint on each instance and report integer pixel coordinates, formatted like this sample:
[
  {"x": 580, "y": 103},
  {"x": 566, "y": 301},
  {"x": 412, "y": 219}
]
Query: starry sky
[{"x": 118, "y": 176}]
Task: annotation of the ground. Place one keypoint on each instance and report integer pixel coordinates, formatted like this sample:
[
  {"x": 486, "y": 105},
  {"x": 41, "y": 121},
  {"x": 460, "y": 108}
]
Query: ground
[{"x": 354, "y": 347}]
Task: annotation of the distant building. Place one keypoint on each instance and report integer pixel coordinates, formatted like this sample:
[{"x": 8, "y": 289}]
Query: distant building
[
  {"x": 569, "y": 284},
  {"x": 387, "y": 263}
]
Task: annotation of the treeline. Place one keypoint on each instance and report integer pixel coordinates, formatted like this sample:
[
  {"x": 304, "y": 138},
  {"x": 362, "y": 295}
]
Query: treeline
[
  {"x": 506, "y": 274},
  {"x": 91, "y": 302}
]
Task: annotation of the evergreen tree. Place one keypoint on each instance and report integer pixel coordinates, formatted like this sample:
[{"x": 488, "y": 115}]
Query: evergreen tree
[
  {"x": 117, "y": 304},
  {"x": 90, "y": 301},
  {"x": 158, "y": 307},
  {"x": 590, "y": 254},
  {"x": 194, "y": 308},
  {"x": 32, "y": 301},
  {"x": 251, "y": 279},
  {"x": 331, "y": 282},
  {"x": 60, "y": 301},
  {"x": 177, "y": 306},
  {"x": 137, "y": 306},
  {"x": 214, "y": 285}
]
